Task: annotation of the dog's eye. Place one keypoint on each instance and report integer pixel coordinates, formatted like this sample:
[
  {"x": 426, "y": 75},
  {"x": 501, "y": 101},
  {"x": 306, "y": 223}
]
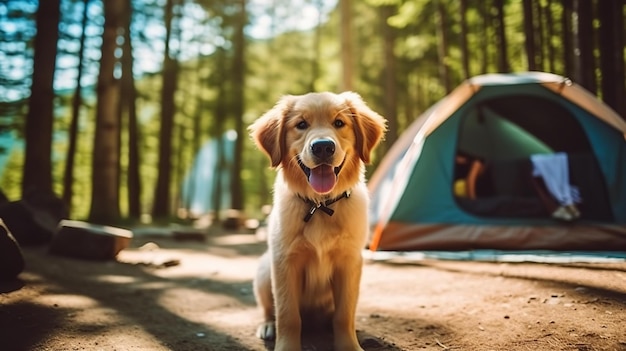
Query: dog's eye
[
  {"x": 338, "y": 123},
  {"x": 302, "y": 125}
]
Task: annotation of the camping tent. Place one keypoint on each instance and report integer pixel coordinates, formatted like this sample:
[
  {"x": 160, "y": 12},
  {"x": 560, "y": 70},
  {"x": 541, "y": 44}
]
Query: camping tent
[
  {"x": 206, "y": 187},
  {"x": 502, "y": 120}
]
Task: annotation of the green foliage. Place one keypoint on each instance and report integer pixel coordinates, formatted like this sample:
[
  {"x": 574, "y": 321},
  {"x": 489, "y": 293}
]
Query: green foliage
[
  {"x": 284, "y": 63},
  {"x": 378, "y": 3},
  {"x": 11, "y": 179},
  {"x": 407, "y": 12}
]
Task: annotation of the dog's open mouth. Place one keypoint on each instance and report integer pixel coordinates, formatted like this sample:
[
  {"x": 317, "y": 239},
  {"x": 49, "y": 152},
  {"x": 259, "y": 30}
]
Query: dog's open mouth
[{"x": 321, "y": 178}]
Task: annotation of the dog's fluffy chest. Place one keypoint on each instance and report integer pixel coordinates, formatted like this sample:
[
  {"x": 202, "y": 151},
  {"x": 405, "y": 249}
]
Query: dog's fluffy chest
[
  {"x": 323, "y": 232},
  {"x": 321, "y": 245}
]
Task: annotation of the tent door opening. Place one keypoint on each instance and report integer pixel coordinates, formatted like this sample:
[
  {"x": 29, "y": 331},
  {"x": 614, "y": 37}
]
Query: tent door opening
[{"x": 498, "y": 144}]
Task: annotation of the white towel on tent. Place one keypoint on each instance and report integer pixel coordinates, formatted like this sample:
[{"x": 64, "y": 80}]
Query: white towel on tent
[{"x": 553, "y": 168}]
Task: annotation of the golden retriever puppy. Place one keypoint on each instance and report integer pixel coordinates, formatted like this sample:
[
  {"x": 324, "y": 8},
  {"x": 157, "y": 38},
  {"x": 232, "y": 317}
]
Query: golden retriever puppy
[{"x": 317, "y": 228}]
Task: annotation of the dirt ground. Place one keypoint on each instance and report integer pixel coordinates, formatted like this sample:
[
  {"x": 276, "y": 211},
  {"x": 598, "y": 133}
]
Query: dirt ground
[{"x": 168, "y": 294}]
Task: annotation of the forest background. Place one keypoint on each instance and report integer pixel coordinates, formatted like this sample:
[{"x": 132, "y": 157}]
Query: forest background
[{"x": 106, "y": 103}]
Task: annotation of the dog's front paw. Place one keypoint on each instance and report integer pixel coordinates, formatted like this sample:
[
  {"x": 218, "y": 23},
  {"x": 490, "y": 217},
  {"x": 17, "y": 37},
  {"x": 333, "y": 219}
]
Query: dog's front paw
[
  {"x": 351, "y": 347},
  {"x": 266, "y": 331},
  {"x": 347, "y": 344}
]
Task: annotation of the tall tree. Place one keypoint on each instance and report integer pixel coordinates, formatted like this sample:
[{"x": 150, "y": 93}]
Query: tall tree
[
  {"x": 317, "y": 40},
  {"x": 39, "y": 119},
  {"x": 442, "y": 45},
  {"x": 529, "y": 33},
  {"x": 345, "y": 9},
  {"x": 389, "y": 72},
  {"x": 539, "y": 34},
  {"x": 238, "y": 78},
  {"x": 567, "y": 37},
  {"x": 128, "y": 109},
  {"x": 220, "y": 110},
  {"x": 501, "y": 42},
  {"x": 77, "y": 101},
  {"x": 162, "y": 198},
  {"x": 611, "y": 45},
  {"x": 105, "y": 160},
  {"x": 549, "y": 35},
  {"x": 483, "y": 8},
  {"x": 464, "y": 33},
  {"x": 584, "y": 61}
]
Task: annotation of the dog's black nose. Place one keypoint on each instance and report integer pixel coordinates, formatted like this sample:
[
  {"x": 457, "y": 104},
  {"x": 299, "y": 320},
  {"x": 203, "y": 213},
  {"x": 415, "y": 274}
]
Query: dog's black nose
[{"x": 323, "y": 148}]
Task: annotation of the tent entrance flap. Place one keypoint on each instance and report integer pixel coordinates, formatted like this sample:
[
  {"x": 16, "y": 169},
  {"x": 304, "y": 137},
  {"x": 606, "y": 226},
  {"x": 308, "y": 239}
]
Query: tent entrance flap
[{"x": 490, "y": 136}]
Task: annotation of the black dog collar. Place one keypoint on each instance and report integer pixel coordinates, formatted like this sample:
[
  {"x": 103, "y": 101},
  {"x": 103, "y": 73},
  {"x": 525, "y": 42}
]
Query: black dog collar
[{"x": 322, "y": 205}]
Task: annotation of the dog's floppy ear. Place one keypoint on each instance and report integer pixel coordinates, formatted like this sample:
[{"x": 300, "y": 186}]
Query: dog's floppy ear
[
  {"x": 369, "y": 126},
  {"x": 267, "y": 131}
]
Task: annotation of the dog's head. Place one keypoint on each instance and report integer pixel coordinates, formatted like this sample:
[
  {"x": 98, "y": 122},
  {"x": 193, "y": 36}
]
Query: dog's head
[{"x": 320, "y": 139}]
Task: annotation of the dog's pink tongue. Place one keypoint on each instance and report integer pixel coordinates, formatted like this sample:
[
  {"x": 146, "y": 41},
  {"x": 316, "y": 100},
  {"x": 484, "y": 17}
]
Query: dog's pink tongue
[{"x": 322, "y": 178}]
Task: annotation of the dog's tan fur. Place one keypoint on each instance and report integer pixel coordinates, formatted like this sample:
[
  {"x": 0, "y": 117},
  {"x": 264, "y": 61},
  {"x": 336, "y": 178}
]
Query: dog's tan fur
[{"x": 314, "y": 268}]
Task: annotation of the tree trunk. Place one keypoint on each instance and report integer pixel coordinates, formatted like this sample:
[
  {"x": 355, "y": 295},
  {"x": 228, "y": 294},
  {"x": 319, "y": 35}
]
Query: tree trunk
[
  {"x": 162, "y": 198},
  {"x": 345, "y": 8},
  {"x": 180, "y": 166},
  {"x": 583, "y": 45},
  {"x": 239, "y": 69},
  {"x": 566, "y": 38},
  {"x": 105, "y": 161},
  {"x": 539, "y": 35},
  {"x": 442, "y": 46},
  {"x": 128, "y": 102},
  {"x": 317, "y": 40},
  {"x": 501, "y": 42},
  {"x": 220, "y": 110},
  {"x": 39, "y": 119},
  {"x": 529, "y": 33},
  {"x": 389, "y": 75},
  {"x": 77, "y": 101},
  {"x": 611, "y": 46},
  {"x": 549, "y": 35},
  {"x": 464, "y": 49},
  {"x": 483, "y": 8}
]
